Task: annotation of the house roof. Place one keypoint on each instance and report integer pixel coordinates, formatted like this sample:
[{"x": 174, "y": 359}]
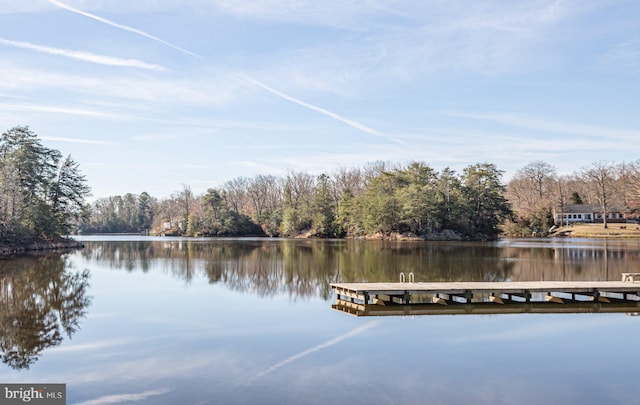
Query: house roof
[
  {"x": 578, "y": 208},
  {"x": 585, "y": 208}
]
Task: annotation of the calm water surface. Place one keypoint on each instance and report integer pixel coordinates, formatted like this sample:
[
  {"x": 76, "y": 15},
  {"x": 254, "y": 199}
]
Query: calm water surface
[{"x": 183, "y": 321}]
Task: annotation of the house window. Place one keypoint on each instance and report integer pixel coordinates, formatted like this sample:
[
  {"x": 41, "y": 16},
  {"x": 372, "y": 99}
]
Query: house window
[
  {"x": 588, "y": 216},
  {"x": 580, "y": 216}
]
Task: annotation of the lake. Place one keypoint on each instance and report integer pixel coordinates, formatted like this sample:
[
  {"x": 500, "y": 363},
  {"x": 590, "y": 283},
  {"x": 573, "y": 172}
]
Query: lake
[{"x": 149, "y": 320}]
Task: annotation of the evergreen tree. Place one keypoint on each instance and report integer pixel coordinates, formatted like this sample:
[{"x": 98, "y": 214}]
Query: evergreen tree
[
  {"x": 43, "y": 193},
  {"x": 325, "y": 216},
  {"x": 380, "y": 205},
  {"x": 486, "y": 205},
  {"x": 146, "y": 209},
  {"x": 68, "y": 193}
]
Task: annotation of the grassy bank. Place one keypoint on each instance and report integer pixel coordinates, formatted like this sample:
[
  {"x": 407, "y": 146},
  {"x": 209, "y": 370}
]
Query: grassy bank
[{"x": 622, "y": 231}]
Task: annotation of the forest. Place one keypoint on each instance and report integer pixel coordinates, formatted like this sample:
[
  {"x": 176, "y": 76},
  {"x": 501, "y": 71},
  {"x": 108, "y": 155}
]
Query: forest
[
  {"x": 44, "y": 195},
  {"x": 380, "y": 200}
]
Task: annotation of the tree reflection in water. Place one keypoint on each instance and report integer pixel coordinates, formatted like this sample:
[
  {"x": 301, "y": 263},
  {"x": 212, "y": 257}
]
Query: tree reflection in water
[
  {"x": 300, "y": 268},
  {"x": 304, "y": 269},
  {"x": 41, "y": 302}
]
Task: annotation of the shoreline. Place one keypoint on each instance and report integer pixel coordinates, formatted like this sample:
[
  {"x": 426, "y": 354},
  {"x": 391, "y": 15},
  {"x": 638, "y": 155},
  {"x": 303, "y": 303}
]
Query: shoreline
[
  {"x": 592, "y": 231},
  {"x": 597, "y": 231},
  {"x": 38, "y": 245}
]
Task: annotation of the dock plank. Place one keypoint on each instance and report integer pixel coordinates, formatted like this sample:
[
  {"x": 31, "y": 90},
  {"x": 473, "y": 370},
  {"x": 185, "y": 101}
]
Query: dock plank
[{"x": 457, "y": 287}]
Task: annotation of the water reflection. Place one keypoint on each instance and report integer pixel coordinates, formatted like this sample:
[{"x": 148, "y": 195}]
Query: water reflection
[
  {"x": 306, "y": 268},
  {"x": 41, "y": 302},
  {"x": 631, "y": 308},
  {"x": 159, "y": 333}
]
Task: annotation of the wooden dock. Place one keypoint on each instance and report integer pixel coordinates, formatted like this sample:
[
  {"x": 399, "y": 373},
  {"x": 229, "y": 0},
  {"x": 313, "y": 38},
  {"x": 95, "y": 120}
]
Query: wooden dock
[{"x": 487, "y": 297}]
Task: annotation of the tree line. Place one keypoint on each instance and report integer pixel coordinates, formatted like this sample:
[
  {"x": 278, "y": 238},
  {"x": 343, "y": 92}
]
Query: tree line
[
  {"x": 537, "y": 188},
  {"x": 42, "y": 193},
  {"x": 377, "y": 200}
]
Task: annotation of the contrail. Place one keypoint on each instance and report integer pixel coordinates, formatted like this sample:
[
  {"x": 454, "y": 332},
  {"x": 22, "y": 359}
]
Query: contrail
[
  {"x": 328, "y": 113},
  {"x": 337, "y": 117},
  {"x": 122, "y": 27},
  {"x": 307, "y": 352},
  {"x": 84, "y": 56}
]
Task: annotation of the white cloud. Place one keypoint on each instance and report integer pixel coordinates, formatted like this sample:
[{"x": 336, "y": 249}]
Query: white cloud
[
  {"x": 21, "y": 6},
  {"x": 410, "y": 42},
  {"x": 551, "y": 125},
  {"x": 154, "y": 137},
  {"x": 93, "y": 346},
  {"x": 337, "y": 13},
  {"x": 76, "y": 140},
  {"x": 204, "y": 88},
  {"x": 624, "y": 56},
  {"x": 119, "y": 398},
  {"x": 553, "y": 328},
  {"x": 47, "y": 109},
  {"x": 83, "y": 56},
  {"x": 278, "y": 93}
]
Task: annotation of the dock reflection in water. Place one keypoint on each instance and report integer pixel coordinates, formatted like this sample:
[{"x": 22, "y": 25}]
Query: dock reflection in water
[{"x": 486, "y": 308}]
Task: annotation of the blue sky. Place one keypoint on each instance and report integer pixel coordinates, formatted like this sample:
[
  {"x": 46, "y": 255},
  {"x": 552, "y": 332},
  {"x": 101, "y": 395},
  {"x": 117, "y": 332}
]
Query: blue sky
[{"x": 151, "y": 94}]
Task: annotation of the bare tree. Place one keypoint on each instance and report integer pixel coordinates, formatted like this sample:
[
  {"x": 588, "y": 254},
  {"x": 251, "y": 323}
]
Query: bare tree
[
  {"x": 298, "y": 187},
  {"x": 601, "y": 178},
  {"x": 562, "y": 194},
  {"x": 533, "y": 187},
  {"x": 273, "y": 192},
  {"x": 630, "y": 182},
  {"x": 236, "y": 193},
  {"x": 257, "y": 192},
  {"x": 185, "y": 200},
  {"x": 624, "y": 181},
  {"x": 540, "y": 175},
  {"x": 375, "y": 169},
  {"x": 168, "y": 210},
  {"x": 347, "y": 180}
]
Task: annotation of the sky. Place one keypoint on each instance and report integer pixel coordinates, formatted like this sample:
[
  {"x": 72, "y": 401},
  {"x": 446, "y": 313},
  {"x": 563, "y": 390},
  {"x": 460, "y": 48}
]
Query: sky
[{"x": 152, "y": 95}]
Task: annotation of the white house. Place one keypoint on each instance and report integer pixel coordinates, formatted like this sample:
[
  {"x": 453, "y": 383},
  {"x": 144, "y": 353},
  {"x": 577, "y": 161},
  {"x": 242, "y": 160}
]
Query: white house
[{"x": 572, "y": 213}]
